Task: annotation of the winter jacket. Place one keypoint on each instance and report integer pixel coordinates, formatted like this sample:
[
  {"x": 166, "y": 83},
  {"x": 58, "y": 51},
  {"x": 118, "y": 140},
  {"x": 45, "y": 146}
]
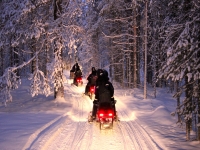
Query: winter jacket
[
  {"x": 92, "y": 79},
  {"x": 104, "y": 91},
  {"x": 78, "y": 74}
]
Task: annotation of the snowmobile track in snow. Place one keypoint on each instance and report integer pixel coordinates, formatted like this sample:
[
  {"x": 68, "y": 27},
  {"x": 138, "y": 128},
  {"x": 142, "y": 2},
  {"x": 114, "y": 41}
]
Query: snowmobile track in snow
[
  {"x": 139, "y": 138},
  {"x": 72, "y": 130}
]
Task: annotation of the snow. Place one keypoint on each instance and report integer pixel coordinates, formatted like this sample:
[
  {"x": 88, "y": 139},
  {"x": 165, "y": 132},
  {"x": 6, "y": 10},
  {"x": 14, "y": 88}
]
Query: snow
[{"x": 42, "y": 123}]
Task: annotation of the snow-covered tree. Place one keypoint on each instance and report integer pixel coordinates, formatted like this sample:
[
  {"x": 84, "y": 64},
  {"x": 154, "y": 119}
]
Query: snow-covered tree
[
  {"x": 30, "y": 31},
  {"x": 87, "y": 46},
  {"x": 181, "y": 42}
]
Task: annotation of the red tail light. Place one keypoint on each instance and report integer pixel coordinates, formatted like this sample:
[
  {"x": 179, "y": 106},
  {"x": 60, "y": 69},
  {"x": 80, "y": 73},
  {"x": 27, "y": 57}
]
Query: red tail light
[
  {"x": 105, "y": 114},
  {"x": 79, "y": 80},
  {"x": 100, "y": 115},
  {"x": 92, "y": 89}
]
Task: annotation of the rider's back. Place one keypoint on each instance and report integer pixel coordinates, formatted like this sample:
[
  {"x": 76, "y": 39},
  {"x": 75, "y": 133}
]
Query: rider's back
[
  {"x": 104, "y": 93},
  {"x": 93, "y": 79},
  {"x": 78, "y": 73}
]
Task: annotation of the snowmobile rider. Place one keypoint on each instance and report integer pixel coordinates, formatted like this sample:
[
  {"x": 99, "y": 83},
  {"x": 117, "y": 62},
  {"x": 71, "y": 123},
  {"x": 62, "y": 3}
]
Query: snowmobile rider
[
  {"x": 104, "y": 91},
  {"x": 77, "y": 72},
  {"x": 91, "y": 80},
  {"x": 75, "y": 67},
  {"x": 73, "y": 70}
]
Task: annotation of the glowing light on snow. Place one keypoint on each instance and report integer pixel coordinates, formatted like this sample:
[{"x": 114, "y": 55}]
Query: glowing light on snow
[{"x": 127, "y": 117}]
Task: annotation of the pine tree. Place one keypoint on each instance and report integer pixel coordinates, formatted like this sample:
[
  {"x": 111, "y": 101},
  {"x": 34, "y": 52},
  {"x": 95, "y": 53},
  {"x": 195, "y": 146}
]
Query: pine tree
[{"x": 181, "y": 63}]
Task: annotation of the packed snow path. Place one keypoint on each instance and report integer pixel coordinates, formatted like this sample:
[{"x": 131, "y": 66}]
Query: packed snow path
[{"x": 71, "y": 131}]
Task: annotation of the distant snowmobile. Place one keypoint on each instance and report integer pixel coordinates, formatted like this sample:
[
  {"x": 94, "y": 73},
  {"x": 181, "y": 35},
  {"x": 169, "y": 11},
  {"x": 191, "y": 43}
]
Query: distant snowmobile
[
  {"x": 105, "y": 115},
  {"x": 78, "y": 81}
]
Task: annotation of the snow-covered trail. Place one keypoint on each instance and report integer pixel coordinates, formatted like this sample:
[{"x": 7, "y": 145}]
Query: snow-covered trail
[{"x": 71, "y": 131}]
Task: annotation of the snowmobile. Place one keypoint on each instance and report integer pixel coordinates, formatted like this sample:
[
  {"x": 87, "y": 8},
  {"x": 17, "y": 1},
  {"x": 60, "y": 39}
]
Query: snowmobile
[
  {"x": 78, "y": 81},
  {"x": 91, "y": 92},
  {"x": 105, "y": 115}
]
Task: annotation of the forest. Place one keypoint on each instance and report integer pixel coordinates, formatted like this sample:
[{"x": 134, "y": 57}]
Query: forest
[{"x": 140, "y": 42}]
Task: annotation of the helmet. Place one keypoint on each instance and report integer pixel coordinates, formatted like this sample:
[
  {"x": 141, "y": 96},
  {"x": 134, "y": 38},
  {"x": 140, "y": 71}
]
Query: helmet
[
  {"x": 102, "y": 74},
  {"x": 94, "y": 71},
  {"x": 76, "y": 65},
  {"x": 105, "y": 73}
]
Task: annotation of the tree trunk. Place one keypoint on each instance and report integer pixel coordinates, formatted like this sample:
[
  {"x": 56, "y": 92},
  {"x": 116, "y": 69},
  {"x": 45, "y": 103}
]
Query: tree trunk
[
  {"x": 188, "y": 125},
  {"x": 16, "y": 58},
  {"x": 58, "y": 89},
  {"x": 135, "y": 69},
  {"x": 112, "y": 68},
  {"x": 188, "y": 106},
  {"x": 11, "y": 61},
  {"x": 145, "y": 55},
  {"x": 198, "y": 102},
  {"x": 33, "y": 49},
  {"x": 2, "y": 60},
  {"x": 178, "y": 100}
]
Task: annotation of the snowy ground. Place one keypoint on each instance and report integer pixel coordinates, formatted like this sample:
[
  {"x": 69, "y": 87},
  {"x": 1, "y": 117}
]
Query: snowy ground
[{"x": 41, "y": 123}]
